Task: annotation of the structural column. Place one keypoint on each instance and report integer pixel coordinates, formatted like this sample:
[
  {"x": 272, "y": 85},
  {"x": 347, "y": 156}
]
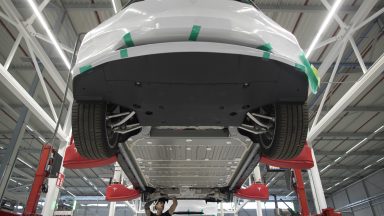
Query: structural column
[
  {"x": 257, "y": 176},
  {"x": 116, "y": 179},
  {"x": 8, "y": 161},
  {"x": 316, "y": 186}
]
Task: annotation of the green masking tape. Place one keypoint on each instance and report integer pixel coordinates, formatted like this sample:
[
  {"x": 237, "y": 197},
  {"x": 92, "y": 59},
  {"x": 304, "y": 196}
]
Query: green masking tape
[
  {"x": 85, "y": 68},
  {"x": 194, "y": 33},
  {"x": 128, "y": 40},
  {"x": 266, "y": 55},
  {"x": 265, "y": 47},
  {"x": 123, "y": 53},
  {"x": 312, "y": 78},
  {"x": 300, "y": 67}
]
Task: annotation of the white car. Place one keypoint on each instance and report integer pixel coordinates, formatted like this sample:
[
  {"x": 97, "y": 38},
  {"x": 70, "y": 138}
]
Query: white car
[{"x": 189, "y": 94}]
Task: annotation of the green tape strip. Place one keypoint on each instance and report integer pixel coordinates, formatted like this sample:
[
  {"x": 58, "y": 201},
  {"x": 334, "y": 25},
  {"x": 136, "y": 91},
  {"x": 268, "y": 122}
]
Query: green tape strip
[
  {"x": 312, "y": 78},
  {"x": 123, "y": 53},
  {"x": 266, "y": 55},
  {"x": 128, "y": 40},
  {"x": 265, "y": 47},
  {"x": 194, "y": 33},
  {"x": 85, "y": 68},
  {"x": 300, "y": 67}
]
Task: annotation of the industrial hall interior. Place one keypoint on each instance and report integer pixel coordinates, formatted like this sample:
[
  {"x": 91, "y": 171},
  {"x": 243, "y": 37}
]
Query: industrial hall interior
[{"x": 192, "y": 107}]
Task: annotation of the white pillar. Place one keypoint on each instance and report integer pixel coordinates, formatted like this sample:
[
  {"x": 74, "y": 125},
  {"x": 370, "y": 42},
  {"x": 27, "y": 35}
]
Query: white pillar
[
  {"x": 257, "y": 176},
  {"x": 116, "y": 178},
  {"x": 112, "y": 208},
  {"x": 221, "y": 209},
  {"x": 316, "y": 186}
]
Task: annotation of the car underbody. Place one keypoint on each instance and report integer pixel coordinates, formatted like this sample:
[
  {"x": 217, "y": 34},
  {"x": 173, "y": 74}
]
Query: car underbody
[{"x": 194, "y": 163}]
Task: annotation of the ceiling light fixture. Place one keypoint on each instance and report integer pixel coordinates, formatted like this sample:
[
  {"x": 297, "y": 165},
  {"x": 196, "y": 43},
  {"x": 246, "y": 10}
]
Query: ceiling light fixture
[
  {"x": 323, "y": 27},
  {"x": 357, "y": 145},
  {"x": 29, "y": 128},
  {"x": 337, "y": 159},
  {"x": 49, "y": 33},
  {"x": 22, "y": 161},
  {"x": 114, "y": 6},
  {"x": 325, "y": 168},
  {"x": 42, "y": 139},
  {"x": 378, "y": 129}
]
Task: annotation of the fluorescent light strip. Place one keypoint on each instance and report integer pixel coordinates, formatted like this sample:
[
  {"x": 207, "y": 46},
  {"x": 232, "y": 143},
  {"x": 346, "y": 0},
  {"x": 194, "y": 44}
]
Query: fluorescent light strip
[
  {"x": 49, "y": 33},
  {"x": 13, "y": 180},
  {"x": 337, "y": 159},
  {"x": 19, "y": 159},
  {"x": 325, "y": 168},
  {"x": 101, "y": 193},
  {"x": 289, "y": 194},
  {"x": 367, "y": 166},
  {"x": 380, "y": 160},
  {"x": 323, "y": 27},
  {"x": 355, "y": 146},
  {"x": 29, "y": 128},
  {"x": 378, "y": 129},
  {"x": 71, "y": 193},
  {"x": 42, "y": 139},
  {"x": 114, "y": 6}
]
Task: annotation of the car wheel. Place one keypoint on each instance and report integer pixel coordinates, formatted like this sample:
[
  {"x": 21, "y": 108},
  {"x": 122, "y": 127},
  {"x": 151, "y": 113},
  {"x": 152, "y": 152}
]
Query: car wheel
[
  {"x": 281, "y": 129},
  {"x": 93, "y": 137}
]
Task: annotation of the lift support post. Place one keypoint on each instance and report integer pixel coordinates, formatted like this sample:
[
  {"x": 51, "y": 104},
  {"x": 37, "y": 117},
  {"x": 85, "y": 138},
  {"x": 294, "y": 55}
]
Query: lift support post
[
  {"x": 40, "y": 176},
  {"x": 300, "y": 191}
]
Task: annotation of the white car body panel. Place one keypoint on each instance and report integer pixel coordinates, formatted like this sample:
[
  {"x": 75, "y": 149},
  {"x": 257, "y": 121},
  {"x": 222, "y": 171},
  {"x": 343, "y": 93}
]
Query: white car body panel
[{"x": 160, "y": 26}]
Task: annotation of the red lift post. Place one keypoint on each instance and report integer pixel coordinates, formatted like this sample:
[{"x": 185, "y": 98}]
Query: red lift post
[
  {"x": 40, "y": 176},
  {"x": 303, "y": 161},
  {"x": 300, "y": 191}
]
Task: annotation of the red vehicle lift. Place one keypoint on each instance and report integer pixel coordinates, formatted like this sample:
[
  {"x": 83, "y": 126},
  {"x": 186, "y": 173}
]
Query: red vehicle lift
[
  {"x": 119, "y": 192},
  {"x": 300, "y": 191},
  {"x": 255, "y": 191},
  {"x": 73, "y": 160},
  {"x": 303, "y": 161},
  {"x": 8, "y": 213},
  {"x": 329, "y": 212},
  {"x": 40, "y": 176}
]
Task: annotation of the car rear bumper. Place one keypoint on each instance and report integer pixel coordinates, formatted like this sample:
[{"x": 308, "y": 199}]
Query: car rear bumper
[{"x": 192, "y": 88}]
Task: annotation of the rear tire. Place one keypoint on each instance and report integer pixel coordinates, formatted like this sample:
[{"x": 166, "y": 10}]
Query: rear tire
[
  {"x": 290, "y": 132},
  {"x": 89, "y": 127}
]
